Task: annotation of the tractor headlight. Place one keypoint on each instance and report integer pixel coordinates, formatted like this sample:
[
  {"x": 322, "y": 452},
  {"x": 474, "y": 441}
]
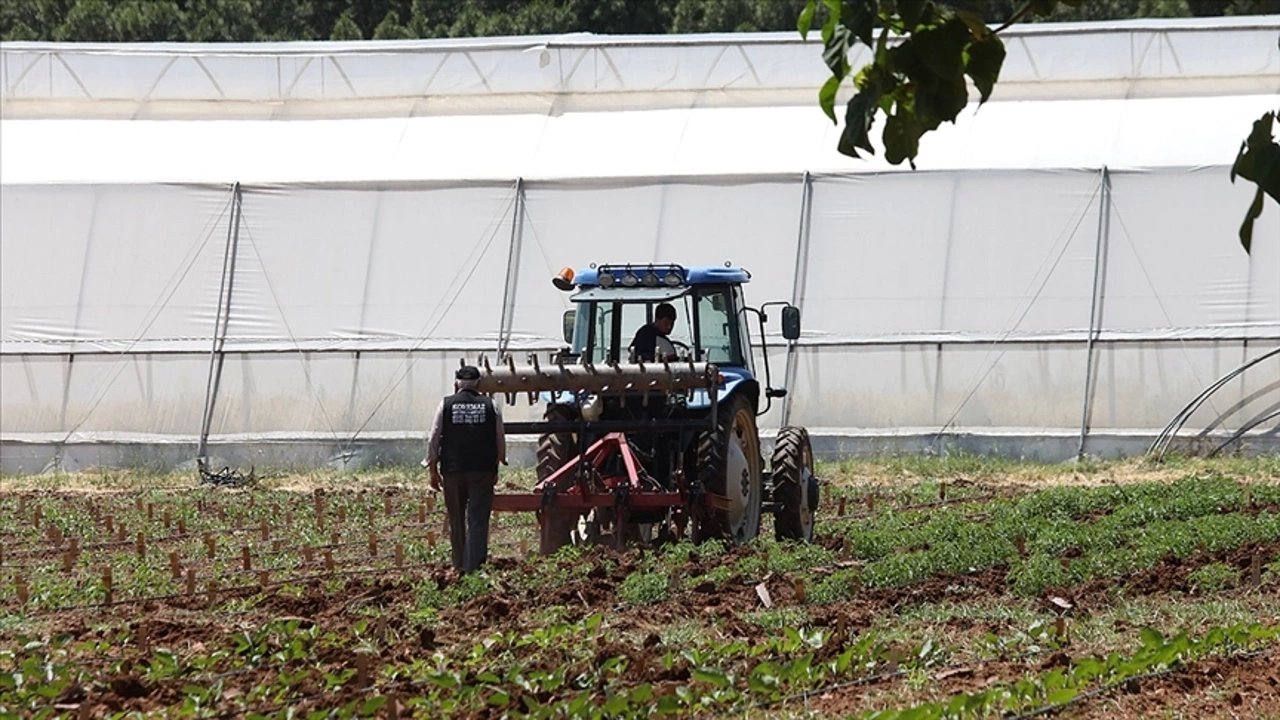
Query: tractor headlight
[
  {"x": 630, "y": 279},
  {"x": 672, "y": 279},
  {"x": 650, "y": 279},
  {"x": 606, "y": 279}
]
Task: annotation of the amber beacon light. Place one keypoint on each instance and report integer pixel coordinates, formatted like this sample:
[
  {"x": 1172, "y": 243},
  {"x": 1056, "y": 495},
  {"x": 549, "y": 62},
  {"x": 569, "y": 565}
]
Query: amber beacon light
[{"x": 563, "y": 279}]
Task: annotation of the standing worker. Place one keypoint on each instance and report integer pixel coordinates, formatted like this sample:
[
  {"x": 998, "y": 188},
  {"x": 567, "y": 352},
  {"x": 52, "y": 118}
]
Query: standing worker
[{"x": 466, "y": 444}]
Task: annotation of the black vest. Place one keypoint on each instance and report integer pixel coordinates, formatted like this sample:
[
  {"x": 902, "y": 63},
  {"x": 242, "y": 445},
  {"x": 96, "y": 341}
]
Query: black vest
[{"x": 469, "y": 434}]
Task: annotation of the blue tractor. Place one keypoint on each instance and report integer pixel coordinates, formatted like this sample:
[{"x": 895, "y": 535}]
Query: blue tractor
[{"x": 650, "y": 423}]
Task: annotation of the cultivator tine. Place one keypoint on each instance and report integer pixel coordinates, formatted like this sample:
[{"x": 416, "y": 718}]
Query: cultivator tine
[{"x": 511, "y": 380}]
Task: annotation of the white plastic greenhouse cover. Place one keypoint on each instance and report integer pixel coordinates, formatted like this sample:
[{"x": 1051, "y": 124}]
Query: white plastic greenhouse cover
[{"x": 1061, "y": 274}]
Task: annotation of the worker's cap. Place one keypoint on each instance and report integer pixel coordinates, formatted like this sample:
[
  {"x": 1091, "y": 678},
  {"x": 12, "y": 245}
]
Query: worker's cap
[{"x": 467, "y": 372}]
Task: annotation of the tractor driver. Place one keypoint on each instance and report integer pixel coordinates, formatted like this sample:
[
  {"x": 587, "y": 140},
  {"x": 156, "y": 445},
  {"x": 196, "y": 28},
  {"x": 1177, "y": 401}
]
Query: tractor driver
[{"x": 650, "y": 343}]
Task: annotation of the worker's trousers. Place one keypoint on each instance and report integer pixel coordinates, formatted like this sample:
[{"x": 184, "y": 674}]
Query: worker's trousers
[{"x": 468, "y": 498}]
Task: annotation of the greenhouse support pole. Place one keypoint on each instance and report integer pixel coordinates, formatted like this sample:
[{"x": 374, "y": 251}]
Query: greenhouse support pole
[
  {"x": 221, "y": 320},
  {"x": 798, "y": 283},
  {"x": 513, "y": 271},
  {"x": 1096, "y": 302}
]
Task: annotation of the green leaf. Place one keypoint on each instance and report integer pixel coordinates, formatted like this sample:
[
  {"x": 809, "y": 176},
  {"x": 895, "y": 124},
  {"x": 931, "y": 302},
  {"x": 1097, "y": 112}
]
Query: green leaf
[
  {"x": 833, "y": 19},
  {"x": 977, "y": 26},
  {"x": 859, "y": 116},
  {"x": 805, "y": 22},
  {"x": 836, "y": 52},
  {"x": 983, "y": 64},
  {"x": 615, "y": 706},
  {"x": 940, "y": 49},
  {"x": 1151, "y": 638},
  {"x": 1246, "y": 228},
  {"x": 1259, "y": 158},
  {"x": 861, "y": 22},
  {"x": 910, "y": 11},
  {"x": 827, "y": 97},
  {"x": 710, "y": 676},
  {"x": 902, "y": 138}
]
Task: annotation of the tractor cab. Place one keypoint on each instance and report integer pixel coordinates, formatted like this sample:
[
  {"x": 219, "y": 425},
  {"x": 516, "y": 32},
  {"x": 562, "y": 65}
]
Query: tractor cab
[{"x": 713, "y": 320}]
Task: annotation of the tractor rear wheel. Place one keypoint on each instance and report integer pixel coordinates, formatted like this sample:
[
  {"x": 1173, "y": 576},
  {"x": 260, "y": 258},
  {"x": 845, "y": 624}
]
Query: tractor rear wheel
[
  {"x": 554, "y": 450},
  {"x": 794, "y": 485},
  {"x": 729, "y": 464}
]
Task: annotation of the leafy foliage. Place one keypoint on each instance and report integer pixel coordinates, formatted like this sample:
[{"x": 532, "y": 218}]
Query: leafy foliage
[
  {"x": 1259, "y": 162},
  {"x": 921, "y": 53}
]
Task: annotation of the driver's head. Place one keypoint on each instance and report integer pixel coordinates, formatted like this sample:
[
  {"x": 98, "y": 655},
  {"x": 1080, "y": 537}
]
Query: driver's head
[{"x": 664, "y": 318}]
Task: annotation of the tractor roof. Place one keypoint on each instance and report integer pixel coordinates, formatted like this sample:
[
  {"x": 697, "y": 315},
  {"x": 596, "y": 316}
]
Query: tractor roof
[{"x": 683, "y": 276}]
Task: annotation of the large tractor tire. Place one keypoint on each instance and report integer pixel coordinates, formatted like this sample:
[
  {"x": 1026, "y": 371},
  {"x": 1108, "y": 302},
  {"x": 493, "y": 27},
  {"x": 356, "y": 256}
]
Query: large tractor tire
[
  {"x": 554, "y": 450},
  {"x": 729, "y": 464},
  {"x": 795, "y": 486}
]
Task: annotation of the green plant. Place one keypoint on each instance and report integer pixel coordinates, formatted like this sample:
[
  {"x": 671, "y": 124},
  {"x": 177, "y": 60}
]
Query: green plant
[
  {"x": 643, "y": 588},
  {"x": 1213, "y": 577}
]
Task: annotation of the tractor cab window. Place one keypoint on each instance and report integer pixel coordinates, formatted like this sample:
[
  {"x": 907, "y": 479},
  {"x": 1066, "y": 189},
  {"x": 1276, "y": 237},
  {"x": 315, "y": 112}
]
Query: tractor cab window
[
  {"x": 718, "y": 327},
  {"x": 613, "y": 325},
  {"x": 708, "y": 327}
]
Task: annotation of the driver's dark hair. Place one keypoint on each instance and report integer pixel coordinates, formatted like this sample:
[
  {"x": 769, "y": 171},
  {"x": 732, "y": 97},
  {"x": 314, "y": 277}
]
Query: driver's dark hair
[{"x": 664, "y": 310}]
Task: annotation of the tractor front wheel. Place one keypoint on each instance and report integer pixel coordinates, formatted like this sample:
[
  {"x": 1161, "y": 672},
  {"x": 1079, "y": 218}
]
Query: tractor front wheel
[
  {"x": 795, "y": 487},
  {"x": 729, "y": 464}
]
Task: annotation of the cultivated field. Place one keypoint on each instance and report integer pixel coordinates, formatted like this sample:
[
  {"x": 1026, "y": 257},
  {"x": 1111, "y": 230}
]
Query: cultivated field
[{"x": 934, "y": 588}]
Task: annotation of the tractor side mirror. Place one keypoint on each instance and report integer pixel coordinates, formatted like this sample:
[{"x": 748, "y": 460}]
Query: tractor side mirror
[
  {"x": 791, "y": 322},
  {"x": 570, "y": 319}
]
